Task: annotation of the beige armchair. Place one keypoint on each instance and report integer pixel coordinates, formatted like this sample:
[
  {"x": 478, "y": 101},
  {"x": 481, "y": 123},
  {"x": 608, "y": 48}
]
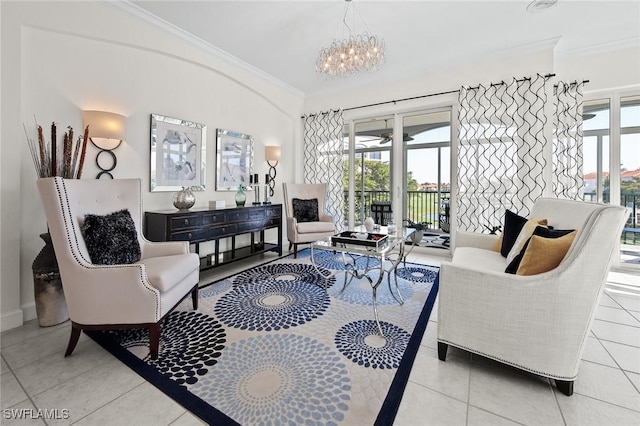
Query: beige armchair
[
  {"x": 114, "y": 296},
  {"x": 538, "y": 323},
  {"x": 303, "y": 231}
]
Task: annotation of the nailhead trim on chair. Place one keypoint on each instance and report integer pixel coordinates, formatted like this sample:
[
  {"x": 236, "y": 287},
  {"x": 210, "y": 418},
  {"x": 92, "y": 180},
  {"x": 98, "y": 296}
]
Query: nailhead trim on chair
[{"x": 539, "y": 373}]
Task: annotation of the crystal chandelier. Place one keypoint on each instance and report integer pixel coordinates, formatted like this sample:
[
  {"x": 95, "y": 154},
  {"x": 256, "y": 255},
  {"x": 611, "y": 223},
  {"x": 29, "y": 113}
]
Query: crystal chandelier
[{"x": 351, "y": 55}]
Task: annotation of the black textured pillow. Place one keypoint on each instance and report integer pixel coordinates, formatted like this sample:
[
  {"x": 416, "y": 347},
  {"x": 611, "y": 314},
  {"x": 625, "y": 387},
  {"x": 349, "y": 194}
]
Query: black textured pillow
[
  {"x": 540, "y": 231},
  {"x": 111, "y": 239},
  {"x": 513, "y": 224},
  {"x": 305, "y": 210}
]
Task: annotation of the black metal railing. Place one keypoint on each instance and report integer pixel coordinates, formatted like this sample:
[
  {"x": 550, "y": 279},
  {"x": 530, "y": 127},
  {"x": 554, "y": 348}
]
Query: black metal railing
[
  {"x": 627, "y": 199},
  {"x": 422, "y": 206},
  {"x": 428, "y": 206}
]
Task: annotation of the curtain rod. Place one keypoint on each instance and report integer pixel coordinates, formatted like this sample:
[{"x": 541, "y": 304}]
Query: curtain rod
[{"x": 422, "y": 96}]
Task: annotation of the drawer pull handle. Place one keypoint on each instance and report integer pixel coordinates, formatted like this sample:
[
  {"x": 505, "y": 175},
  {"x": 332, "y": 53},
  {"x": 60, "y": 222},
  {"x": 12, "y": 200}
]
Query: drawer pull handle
[
  {"x": 186, "y": 221},
  {"x": 214, "y": 217},
  {"x": 190, "y": 236}
]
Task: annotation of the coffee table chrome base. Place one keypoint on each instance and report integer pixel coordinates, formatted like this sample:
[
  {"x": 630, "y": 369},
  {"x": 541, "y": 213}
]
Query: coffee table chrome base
[{"x": 350, "y": 256}]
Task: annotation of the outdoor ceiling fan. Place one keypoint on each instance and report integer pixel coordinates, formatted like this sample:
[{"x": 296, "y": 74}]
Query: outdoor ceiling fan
[{"x": 388, "y": 137}]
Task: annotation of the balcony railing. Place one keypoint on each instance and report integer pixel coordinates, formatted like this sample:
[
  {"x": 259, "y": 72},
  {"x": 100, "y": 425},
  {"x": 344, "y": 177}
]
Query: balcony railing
[
  {"x": 422, "y": 206},
  {"x": 627, "y": 199},
  {"x": 425, "y": 206}
]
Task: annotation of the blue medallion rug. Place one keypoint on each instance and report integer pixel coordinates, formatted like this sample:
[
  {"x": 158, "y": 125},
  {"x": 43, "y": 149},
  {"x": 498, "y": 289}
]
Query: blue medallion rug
[{"x": 279, "y": 344}]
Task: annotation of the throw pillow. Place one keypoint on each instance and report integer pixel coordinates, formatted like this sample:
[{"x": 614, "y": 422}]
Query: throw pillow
[
  {"x": 111, "y": 239},
  {"x": 525, "y": 233},
  {"x": 513, "y": 224},
  {"x": 545, "y": 254},
  {"x": 542, "y": 232},
  {"x": 305, "y": 210}
]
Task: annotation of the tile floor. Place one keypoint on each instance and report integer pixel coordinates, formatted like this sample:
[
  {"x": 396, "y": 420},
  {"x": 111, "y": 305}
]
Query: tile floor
[{"x": 93, "y": 388}]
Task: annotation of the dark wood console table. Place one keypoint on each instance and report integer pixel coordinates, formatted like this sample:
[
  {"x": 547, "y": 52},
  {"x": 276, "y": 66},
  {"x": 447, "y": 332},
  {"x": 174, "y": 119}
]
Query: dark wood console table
[{"x": 201, "y": 225}]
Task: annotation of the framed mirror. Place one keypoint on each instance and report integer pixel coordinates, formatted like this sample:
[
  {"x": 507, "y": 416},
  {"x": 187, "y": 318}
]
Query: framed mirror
[
  {"x": 234, "y": 155},
  {"x": 177, "y": 154}
]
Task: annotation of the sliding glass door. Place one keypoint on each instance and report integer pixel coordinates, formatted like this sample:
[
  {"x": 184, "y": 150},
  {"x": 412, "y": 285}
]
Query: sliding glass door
[
  {"x": 370, "y": 156},
  {"x": 630, "y": 177},
  {"x": 427, "y": 187},
  {"x": 611, "y": 153}
]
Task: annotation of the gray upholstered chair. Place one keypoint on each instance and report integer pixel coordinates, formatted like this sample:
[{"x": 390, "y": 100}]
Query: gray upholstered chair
[
  {"x": 538, "y": 323},
  {"x": 302, "y": 232},
  {"x": 114, "y": 296}
]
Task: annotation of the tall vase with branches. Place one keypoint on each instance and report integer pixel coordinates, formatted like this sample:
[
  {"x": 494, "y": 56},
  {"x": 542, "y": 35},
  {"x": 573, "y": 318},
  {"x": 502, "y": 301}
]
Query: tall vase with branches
[{"x": 51, "y": 306}]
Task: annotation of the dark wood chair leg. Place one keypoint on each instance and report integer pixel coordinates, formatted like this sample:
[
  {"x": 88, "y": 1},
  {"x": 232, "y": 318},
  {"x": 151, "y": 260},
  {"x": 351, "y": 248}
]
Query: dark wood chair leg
[
  {"x": 290, "y": 245},
  {"x": 566, "y": 387},
  {"x": 73, "y": 340},
  {"x": 154, "y": 340},
  {"x": 442, "y": 351},
  {"x": 194, "y": 298},
  {"x": 295, "y": 251}
]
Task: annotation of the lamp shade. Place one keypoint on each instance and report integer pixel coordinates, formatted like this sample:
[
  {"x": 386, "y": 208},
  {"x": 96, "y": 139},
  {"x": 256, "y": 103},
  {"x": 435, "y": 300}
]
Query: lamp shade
[
  {"x": 272, "y": 153},
  {"x": 105, "y": 125}
]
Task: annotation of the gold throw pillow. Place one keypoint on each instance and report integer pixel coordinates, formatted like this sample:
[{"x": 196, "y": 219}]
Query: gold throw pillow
[{"x": 544, "y": 254}]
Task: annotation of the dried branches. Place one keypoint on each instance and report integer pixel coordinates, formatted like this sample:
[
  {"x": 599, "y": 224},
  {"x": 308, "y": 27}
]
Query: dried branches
[{"x": 45, "y": 156}]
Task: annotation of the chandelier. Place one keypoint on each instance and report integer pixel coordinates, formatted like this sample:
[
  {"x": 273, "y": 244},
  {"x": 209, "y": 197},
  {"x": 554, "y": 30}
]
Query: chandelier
[{"x": 351, "y": 55}]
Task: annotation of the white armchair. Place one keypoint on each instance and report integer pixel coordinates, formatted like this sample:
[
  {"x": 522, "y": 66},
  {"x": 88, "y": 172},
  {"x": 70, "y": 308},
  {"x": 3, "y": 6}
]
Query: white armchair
[
  {"x": 537, "y": 323},
  {"x": 306, "y": 232},
  {"x": 100, "y": 297}
]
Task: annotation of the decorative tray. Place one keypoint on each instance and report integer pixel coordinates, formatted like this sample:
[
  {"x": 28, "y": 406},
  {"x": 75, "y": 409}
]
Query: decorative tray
[{"x": 366, "y": 239}]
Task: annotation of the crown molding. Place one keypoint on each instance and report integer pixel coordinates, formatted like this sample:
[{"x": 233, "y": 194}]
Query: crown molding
[
  {"x": 628, "y": 43},
  {"x": 134, "y": 10}
]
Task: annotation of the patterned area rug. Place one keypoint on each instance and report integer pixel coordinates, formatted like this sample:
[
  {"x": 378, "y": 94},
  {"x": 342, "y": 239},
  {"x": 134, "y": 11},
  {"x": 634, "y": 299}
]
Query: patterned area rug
[{"x": 280, "y": 344}]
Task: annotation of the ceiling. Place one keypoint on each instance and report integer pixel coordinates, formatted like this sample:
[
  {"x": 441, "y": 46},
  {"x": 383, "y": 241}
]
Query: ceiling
[{"x": 282, "y": 38}]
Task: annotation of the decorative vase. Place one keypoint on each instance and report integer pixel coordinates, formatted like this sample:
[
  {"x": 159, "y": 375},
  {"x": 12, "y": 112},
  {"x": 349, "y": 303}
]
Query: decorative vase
[
  {"x": 51, "y": 306},
  {"x": 241, "y": 196},
  {"x": 369, "y": 223},
  {"x": 184, "y": 200}
]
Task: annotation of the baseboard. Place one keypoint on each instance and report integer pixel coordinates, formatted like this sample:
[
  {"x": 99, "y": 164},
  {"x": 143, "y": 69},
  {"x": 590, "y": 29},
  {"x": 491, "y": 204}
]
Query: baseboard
[
  {"x": 11, "y": 320},
  {"x": 29, "y": 311}
]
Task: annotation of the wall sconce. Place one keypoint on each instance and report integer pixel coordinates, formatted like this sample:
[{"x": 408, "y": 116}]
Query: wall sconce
[
  {"x": 272, "y": 155},
  {"x": 106, "y": 132}
]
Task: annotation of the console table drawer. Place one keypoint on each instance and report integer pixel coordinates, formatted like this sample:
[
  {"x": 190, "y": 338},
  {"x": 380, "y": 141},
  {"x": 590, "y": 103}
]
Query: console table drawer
[
  {"x": 193, "y": 235},
  {"x": 183, "y": 222},
  {"x": 214, "y": 218},
  {"x": 221, "y": 231},
  {"x": 238, "y": 216}
]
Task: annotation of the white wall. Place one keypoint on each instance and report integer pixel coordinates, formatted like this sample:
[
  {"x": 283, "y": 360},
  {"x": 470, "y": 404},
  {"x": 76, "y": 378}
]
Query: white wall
[{"x": 60, "y": 58}]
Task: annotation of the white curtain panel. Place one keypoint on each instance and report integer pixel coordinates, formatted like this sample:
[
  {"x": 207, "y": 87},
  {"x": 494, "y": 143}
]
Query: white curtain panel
[
  {"x": 323, "y": 148},
  {"x": 500, "y": 152},
  {"x": 568, "y": 179},
  {"x": 518, "y": 140}
]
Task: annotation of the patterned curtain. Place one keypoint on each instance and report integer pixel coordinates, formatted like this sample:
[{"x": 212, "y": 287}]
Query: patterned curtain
[
  {"x": 568, "y": 180},
  {"x": 323, "y": 147},
  {"x": 500, "y": 151}
]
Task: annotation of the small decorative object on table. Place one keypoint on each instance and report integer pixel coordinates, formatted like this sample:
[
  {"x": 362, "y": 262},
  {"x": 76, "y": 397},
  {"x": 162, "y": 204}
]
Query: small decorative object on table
[
  {"x": 420, "y": 227},
  {"x": 369, "y": 223},
  {"x": 241, "y": 196},
  {"x": 184, "y": 199},
  {"x": 391, "y": 226}
]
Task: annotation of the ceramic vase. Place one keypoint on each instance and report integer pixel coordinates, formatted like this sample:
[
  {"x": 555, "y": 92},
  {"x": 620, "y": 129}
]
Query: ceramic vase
[
  {"x": 51, "y": 306},
  {"x": 241, "y": 196},
  {"x": 369, "y": 223},
  {"x": 184, "y": 200}
]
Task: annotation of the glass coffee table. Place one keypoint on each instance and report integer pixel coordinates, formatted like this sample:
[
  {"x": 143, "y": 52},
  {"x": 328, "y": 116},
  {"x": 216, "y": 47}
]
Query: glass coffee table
[{"x": 387, "y": 249}]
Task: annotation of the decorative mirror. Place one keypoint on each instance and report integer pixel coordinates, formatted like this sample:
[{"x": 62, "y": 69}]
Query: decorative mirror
[
  {"x": 234, "y": 152},
  {"x": 177, "y": 154}
]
